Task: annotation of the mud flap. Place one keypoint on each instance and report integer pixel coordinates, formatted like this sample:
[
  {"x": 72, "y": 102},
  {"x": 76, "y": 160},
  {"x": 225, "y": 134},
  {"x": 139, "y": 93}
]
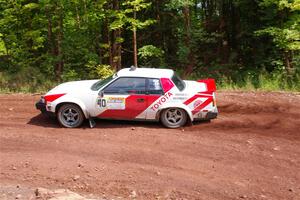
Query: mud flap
[
  {"x": 189, "y": 123},
  {"x": 92, "y": 122}
]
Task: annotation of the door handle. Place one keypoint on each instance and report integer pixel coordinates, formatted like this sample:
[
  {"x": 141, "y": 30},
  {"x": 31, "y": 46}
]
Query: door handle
[{"x": 140, "y": 100}]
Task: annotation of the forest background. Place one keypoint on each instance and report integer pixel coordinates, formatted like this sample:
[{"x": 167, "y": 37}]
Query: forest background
[{"x": 243, "y": 44}]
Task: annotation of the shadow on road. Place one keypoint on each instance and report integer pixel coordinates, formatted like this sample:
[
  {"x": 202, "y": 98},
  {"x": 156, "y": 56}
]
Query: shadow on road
[
  {"x": 44, "y": 121},
  {"x": 51, "y": 122}
]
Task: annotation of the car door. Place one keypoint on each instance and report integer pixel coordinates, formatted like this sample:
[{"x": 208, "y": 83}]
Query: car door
[
  {"x": 154, "y": 91},
  {"x": 125, "y": 98}
]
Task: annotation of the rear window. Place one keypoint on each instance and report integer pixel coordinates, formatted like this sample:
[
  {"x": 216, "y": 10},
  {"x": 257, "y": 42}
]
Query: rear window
[{"x": 178, "y": 82}]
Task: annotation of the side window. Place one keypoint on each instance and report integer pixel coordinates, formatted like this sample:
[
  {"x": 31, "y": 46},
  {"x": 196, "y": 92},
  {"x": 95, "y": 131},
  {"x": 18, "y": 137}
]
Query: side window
[
  {"x": 127, "y": 86},
  {"x": 154, "y": 86}
]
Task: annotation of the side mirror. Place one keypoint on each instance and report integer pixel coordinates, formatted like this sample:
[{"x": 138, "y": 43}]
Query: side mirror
[{"x": 101, "y": 94}]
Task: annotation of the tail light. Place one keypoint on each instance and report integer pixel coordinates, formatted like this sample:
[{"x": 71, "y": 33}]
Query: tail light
[{"x": 214, "y": 100}]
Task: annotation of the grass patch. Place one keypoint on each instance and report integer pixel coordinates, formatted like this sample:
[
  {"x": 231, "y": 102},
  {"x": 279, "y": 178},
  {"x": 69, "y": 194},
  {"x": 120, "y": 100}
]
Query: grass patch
[
  {"x": 15, "y": 84},
  {"x": 262, "y": 82}
]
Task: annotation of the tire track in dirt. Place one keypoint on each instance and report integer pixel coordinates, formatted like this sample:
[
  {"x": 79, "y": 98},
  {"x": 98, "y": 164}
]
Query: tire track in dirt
[{"x": 251, "y": 151}]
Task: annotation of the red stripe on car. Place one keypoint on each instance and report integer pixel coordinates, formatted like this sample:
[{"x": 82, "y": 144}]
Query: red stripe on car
[
  {"x": 205, "y": 103},
  {"x": 52, "y": 97},
  {"x": 207, "y": 92},
  {"x": 193, "y": 98}
]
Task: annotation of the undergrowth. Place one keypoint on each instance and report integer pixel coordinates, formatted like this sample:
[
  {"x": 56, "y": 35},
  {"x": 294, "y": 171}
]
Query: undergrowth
[{"x": 261, "y": 82}]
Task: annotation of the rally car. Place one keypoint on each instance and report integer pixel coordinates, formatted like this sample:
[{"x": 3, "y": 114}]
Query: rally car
[{"x": 133, "y": 94}]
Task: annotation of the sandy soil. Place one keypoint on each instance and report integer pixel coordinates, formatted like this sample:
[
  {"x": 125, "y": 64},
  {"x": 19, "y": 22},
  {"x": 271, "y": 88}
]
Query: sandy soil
[{"x": 252, "y": 151}]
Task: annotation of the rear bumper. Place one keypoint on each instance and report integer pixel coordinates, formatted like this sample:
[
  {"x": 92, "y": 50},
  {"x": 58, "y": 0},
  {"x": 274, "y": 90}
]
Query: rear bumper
[
  {"x": 206, "y": 115},
  {"x": 211, "y": 115}
]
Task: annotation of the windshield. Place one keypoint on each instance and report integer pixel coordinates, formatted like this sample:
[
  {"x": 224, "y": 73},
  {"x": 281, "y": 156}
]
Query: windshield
[
  {"x": 96, "y": 86},
  {"x": 178, "y": 82}
]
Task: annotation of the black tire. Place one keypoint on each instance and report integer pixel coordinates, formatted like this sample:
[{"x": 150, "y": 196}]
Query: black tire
[
  {"x": 70, "y": 116},
  {"x": 173, "y": 117}
]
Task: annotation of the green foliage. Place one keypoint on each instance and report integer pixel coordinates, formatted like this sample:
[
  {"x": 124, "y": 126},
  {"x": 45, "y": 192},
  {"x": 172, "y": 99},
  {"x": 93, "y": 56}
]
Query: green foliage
[
  {"x": 126, "y": 17},
  {"x": 45, "y": 42},
  {"x": 287, "y": 39},
  {"x": 151, "y": 56},
  {"x": 177, "y": 4},
  {"x": 100, "y": 71},
  {"x": 286, "y": 32},
  {"x": 2, "y": 46}
]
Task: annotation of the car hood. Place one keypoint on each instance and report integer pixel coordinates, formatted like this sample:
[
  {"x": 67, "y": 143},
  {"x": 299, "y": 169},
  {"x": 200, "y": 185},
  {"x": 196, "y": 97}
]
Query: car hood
[{"x": 73, "y": 87}]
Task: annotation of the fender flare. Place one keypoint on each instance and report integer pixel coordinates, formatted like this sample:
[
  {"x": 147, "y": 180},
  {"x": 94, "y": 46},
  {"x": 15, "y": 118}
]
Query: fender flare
[
  {"x": 70, "y": 99},
  {"x": 175, "y": 105}
]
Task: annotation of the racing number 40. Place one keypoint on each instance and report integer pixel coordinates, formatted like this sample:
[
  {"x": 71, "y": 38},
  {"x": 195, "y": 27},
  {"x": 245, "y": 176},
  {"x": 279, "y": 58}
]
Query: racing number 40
[{"x": 102, "y": 103}]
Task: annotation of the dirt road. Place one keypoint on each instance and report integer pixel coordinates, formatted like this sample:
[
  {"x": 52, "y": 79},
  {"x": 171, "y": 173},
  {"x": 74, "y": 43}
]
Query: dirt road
[{"x": 252, "y": 151}]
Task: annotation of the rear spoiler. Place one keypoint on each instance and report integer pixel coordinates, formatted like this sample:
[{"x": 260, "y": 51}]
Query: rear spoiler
[{"x": 210, "y": 84}]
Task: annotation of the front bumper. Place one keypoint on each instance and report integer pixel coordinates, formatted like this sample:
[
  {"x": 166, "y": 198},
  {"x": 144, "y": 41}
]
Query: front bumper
[{"x": 41, "y": 106}]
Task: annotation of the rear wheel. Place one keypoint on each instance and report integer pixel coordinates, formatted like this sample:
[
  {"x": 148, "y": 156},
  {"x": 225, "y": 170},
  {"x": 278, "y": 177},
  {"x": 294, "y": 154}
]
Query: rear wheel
[
  {"x": 173, "y": 117},
  {"x": 70, "y": 116}
]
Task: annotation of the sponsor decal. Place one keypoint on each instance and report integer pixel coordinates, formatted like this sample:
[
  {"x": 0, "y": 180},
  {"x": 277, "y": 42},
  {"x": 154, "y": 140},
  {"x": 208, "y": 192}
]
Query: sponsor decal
[
  {"x": 113, "y": 103},
  {"x": 161, "y": 101},
  {"x": 115, "y": 100},
  {"x": 197, "y": 103},
  {"x": 179, "y": 98},
  {"x": 116, "y": 103},
  {"x": 181, "y": 94}
]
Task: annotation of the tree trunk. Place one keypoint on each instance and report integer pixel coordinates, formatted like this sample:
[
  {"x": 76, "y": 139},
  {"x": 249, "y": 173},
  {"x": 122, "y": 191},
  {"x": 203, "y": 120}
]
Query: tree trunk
[
  {"x": 97, "y": 46},
  {"x": 135, "y": 61},
  {"x": 116, "y": 45},
  {"x": 106, "y": 38},
  {"x": 117, "y": 50},
  {"x": 50, "y": 35},
  {"x": 78, "y": 18},
  {"x": 6, "y": 51},
  {"x": 59, "y": 53},
  {"x": 191, "y": 60},
  {"x": 224, "y": 48},
  {"x": 288, "y": 62}
]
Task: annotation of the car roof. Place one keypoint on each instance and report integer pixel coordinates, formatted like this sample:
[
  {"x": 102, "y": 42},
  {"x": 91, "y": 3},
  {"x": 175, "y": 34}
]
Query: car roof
[{"x": 146, "y": 72}]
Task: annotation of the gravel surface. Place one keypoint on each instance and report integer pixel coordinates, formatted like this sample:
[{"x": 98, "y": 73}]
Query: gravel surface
[{"x": 252, "y": 151}]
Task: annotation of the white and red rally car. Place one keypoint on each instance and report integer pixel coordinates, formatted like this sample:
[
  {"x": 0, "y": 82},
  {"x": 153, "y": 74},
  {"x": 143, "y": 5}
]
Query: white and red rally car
[{"x": 133, "y": 94}]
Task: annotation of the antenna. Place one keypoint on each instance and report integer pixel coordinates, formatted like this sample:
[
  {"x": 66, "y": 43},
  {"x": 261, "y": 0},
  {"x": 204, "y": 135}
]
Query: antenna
[{"x": 133, "y": 68}]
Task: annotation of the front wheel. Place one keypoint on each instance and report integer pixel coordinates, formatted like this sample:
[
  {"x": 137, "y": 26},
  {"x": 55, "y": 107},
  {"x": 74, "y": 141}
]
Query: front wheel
[
  {"x": 70, "y": 116},
  {"x": 173, "y": 117}
]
